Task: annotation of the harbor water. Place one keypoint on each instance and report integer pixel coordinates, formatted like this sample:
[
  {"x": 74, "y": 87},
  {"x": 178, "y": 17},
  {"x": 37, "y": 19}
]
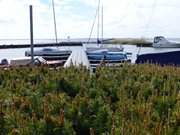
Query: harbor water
[{"x": 16, "y": 53}]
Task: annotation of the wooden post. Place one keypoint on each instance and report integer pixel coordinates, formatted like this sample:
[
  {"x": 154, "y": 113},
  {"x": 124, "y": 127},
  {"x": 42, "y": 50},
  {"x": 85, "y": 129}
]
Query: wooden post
[{"x": 31, "y": 33}]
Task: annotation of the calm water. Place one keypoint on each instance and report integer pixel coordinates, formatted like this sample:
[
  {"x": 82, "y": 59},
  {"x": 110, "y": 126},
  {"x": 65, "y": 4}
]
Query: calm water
[{"x": 14, "y": 53}]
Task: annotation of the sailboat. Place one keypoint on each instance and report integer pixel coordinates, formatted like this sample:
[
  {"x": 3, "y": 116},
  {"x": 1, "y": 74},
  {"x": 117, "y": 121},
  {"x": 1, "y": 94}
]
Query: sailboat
[
  {"x": 110, "y": 56},
  {"x": 52, "y": 54}
]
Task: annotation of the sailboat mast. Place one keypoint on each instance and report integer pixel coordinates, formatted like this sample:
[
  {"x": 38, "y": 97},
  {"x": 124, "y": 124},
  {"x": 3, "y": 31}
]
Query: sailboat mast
[
  {"x": 98, "y": 22},
  {"x": 102, "y": 32},
  {"x": 54, "y": 15}
]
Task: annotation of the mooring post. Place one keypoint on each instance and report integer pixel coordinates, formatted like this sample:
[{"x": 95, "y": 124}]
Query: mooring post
[{"x": 31, "y": 33}]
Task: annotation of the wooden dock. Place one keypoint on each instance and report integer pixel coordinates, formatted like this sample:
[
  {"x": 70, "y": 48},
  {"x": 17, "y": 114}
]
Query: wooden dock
[{"x": 14, "y": 46}]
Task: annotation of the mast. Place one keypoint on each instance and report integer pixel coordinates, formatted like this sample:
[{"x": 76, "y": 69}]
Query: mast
[
  {"x": 102, "y": 32},
  {"x": 98, "y": 22},
  {"x": 54, "y": 15},
  {"x": 31, "y": 33}
]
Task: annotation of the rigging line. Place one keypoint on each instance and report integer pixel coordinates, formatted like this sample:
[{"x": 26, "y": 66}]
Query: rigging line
[
  {"x": 54, "y": 16},
  {"x": 98, "y": 24},
  {"x": 124, "y": 15},
  {"x": 102, "y": 29},
  {"x": 94, "y": 22},
  {"x": 154, "y": 5}
]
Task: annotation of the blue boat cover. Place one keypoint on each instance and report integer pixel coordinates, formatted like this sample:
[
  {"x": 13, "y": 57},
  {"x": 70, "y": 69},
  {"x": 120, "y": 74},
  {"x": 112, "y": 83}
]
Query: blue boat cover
[
  {"x": 107, "y": 57},
  {"x": 166, "y": 58}
]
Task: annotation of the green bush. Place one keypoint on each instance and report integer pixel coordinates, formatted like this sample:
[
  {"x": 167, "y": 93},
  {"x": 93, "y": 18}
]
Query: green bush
[{"x": 129, "y": 100}]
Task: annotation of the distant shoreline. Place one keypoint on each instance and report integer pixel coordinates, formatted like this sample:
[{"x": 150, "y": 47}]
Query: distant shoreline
[
  {"x": 123, "y": 41},
  {"x": 130, "y": 41}
]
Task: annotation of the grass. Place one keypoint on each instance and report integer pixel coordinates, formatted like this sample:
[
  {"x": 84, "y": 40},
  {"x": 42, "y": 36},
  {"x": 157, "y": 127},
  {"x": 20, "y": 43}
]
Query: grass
[{"x": 130, "y": 100}]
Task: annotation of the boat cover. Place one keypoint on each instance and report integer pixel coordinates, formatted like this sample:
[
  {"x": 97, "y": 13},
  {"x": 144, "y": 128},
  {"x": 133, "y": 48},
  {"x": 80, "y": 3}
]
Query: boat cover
[
  {"x": 166, "y": 58},
  {"x": 78, "y": 57}
]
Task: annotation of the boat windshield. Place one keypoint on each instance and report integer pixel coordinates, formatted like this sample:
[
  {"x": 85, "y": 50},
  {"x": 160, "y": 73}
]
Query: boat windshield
[{"x": 157, "y": 39}]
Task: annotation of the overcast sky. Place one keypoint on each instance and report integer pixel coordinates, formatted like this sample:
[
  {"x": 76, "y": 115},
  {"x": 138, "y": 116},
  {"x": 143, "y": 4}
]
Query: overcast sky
[{"x": 122, "y": 18}]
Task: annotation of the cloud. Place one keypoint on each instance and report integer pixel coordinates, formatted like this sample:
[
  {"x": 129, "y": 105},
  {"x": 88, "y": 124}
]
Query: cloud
[
  {"x": 17, "y": 11},
  {"x": 122, "y": 18}
]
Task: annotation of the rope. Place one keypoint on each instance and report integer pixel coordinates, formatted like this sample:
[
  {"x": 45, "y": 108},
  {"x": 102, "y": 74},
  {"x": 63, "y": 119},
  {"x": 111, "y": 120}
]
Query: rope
[{"x": 154, "y": 5}]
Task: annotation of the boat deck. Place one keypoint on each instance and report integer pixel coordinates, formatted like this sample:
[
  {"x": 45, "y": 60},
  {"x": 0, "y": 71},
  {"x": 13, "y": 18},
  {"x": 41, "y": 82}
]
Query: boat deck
[{"x": 109, "y": 49}]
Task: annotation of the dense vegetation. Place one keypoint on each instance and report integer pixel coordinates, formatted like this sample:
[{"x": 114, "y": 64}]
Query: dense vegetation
[{"x": 131, "y": 100}]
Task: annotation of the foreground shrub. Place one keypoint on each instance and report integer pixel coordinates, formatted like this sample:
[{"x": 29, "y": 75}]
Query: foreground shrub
[{"x": 129, "y": 100}]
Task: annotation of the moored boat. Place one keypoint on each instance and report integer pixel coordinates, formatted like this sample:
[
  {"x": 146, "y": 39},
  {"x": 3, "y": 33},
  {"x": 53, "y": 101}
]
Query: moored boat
[
  {"x": 162, "y": 42},
  {"x": 107, "y": 57},
  {"x": 161, "y": 58},
  {"x": 52, "y": 56},
  {"x": 49, "y": 52}
]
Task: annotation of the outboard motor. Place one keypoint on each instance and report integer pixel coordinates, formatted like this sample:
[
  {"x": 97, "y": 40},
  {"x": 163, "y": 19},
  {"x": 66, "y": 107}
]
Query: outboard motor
[{"x": 160, "y": 41}]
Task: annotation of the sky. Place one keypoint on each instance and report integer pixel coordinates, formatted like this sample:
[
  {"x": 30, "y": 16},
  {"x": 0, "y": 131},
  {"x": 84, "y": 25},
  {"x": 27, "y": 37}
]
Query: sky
[{"x": 122, "y": 18}]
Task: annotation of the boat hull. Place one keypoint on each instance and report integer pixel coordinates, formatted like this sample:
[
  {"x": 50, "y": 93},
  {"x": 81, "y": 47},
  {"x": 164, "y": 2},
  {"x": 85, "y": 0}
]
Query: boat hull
[
  {"x": 166, "y": 58},
  {"x": 107, "y": 57},
  {"x": 63, "y": 53},
  {"x": 168, "y": 45},
  {"x": 110, "y": 57}
]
